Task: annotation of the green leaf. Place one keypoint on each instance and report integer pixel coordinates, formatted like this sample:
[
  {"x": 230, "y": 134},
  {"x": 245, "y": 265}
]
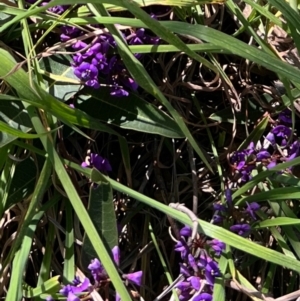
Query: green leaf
[
  {"x": 23, "y": 182},
  {"x": 130, "y": 113},
  {"x": 278, "y": 221},
  {"x": 52, "y": 285},
  {"x": 59, "y": 76},
  {"x": 102, "y": 213},
  {"x": 12, "y": 113},
  {"x": 283, "y": 193}
]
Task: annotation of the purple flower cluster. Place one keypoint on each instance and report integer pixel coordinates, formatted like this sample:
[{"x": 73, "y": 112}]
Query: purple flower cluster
[
  {"x": 100, "y": 278},
  {"x": 279, "y": 146},
  {"x": 239, "y": 219},
  {"x": 197, "y": 267},
  {"x": 95, "y": 59}
]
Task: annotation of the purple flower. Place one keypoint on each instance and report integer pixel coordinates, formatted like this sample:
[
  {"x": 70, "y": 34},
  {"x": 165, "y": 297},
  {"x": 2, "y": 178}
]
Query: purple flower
[
  {"x": 97, "y": 270},
  {"x": 246, "y": 173},
  {"x": 294, "y": 150},
  {"x": 203, "y": 297},
  {"x": 186, "y": 231},
  {"x": 195, "y": 282},
  {"x": 217, "y": 219},
  {"x": 135, "y": 277},
  {"x": 118, "y": 91},
  {"x": 183, "y": 285},
  {"x": 130, "y": 83},
  {"x": 280, "y": 131},
  {"x": 251, "y": 208},
  {"x": 263, "y": 154},
  {"x": 100, "y": 61},
  {"x": 239, "y": 159},
  {"x": 240, "y": 229},
  {"x": 182, "y": 247},
  {"x": 285, "y": 116},
  {"x": 271, "y": 138},
  {"x": 95, "y": 160},
  {"x": 79, "y": 45},
  {"x": 70, "y": 290},
  {"x": 87, "y": 73},
  {"x": 217, "y": 245},
  {"x": 211, "y": 271},
  {"x": 69, "y": 32}
]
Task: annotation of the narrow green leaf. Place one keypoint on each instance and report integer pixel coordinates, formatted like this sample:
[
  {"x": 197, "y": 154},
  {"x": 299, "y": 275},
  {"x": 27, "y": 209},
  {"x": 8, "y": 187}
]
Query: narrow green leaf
[
  {"x": 14, "y": 119},
  {"x": 69, "y": 260},
  {"x": 102, "y": 213},
  {"x": 57, "y": 71},
  {"x": 282, "y": 193},
  {"x": 49, "y": 286},
  {"x": 276, "y": 222},
  {"x": 131, "y": 113}
]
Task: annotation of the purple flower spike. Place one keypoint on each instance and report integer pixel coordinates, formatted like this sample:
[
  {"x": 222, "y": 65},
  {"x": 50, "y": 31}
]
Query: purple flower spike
[
  {"x": 186, "y": 231},
  {"x": 251, "y": 208},
  {"x": 116, "y": 255},
  {"x": 240, "y": 229},
  {"x": 283, "y": 132},
  {"x": 118, "y": 298},
  {"x": 203, "y": 297},
  {"x": 211, "y": 272},
  {"x": 217, "y": 245},
  {"x": 135, "y": 277}
]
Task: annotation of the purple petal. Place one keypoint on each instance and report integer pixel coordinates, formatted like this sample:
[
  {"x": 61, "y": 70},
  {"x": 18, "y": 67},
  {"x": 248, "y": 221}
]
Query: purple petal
[
  {"x": 271, "y": 138},
  {"x": 72, "y": 297},
  {"x": 240, "y": 229},
  {"x": 186, "y": 231},
  {"x": 116, "y": 255},
  {"x": 262, "y": 155},
  {"x": 203, "y": 297},
  {"x": 195, "y": 282},
  {"x": 183, "y": 285},
  {"x": 192, "y": 262},
  {"x": 135, "y": 277}
]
